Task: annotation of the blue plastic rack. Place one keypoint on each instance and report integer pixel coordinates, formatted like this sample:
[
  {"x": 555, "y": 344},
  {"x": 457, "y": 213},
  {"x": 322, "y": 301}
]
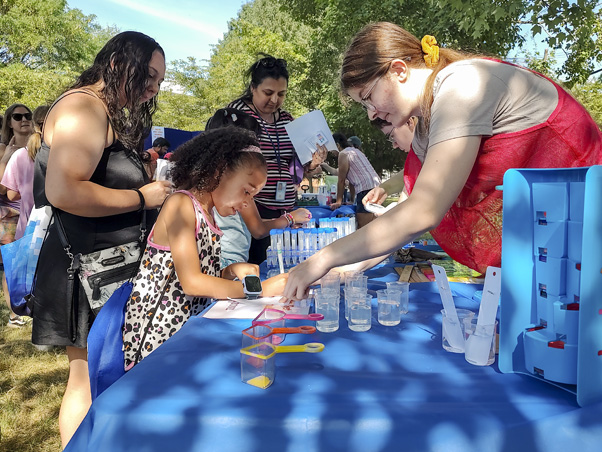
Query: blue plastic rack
[{"x": 551, "y": 301}]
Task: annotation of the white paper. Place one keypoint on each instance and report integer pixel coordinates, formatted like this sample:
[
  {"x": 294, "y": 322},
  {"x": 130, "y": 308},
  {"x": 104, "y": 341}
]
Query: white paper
[
  {"x": 157, "y": 132},
  {"x": 249, "y": 309},
  {"x": 307, "y": 131}
]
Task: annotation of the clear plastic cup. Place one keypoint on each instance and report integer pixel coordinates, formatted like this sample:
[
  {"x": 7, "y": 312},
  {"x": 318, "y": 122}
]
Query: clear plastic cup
[
  {"x": 327, "y": 304},
  {"x": 331, "y": 282},
  {"x": 389, "y": 307},
  {"x": 479, "y": 348},
  {"x": 403, "y": 289},
  {"x": 360, "y": 314},
  {"x": 447, "y": 324},
  {"x": 351, "y": 294}
]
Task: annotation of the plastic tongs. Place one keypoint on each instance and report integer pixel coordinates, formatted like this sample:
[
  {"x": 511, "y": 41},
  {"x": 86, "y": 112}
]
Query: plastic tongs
[
  {"x": 265, "y": 333},
  {"x": 269, "y": 315}
]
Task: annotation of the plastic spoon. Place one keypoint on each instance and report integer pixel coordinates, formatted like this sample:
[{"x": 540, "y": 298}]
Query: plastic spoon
[
  {"x": 265, "y": 333},
  {"x": 478, "y": 344},
  {"x": 453, "y": 330},
  {"x": 269, "y": 315},
  {"x": 257, "y": 363}
]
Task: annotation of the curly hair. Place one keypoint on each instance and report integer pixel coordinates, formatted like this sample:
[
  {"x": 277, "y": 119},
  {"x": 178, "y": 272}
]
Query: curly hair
[
  {"x": 201, "y": 162},
  {"x": 125, "y": 56}
]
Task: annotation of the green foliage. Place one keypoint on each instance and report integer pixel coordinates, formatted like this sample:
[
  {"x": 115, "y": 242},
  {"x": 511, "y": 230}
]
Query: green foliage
[
  {"x": 590, "y": 95},
  {"x": 44, "y": 45}
]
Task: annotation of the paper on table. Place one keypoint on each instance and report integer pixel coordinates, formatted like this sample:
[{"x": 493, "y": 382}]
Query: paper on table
[
  {"x": 307, "y": 131},
  {"x": 249, "y": 309}
]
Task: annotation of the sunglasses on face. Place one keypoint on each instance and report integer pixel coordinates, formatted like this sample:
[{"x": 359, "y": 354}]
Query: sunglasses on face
[
  {"x": 20, "y": 116},
  {"x": 271, "y": 62}
]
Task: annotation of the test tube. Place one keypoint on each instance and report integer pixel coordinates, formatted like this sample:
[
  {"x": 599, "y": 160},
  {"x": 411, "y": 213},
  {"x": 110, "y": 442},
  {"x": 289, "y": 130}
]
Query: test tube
[
  {"x": 287, "y": 247},
  {"x": 273, "y": 233},
  {"x": 279, "y": 249},
  {"x": 294, "y": 247}
]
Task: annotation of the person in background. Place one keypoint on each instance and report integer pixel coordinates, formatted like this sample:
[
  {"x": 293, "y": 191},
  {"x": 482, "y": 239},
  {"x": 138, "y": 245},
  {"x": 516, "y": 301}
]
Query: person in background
[
  {"x": 263, "y": 100},
  {"x": 238, "y": 229},
  {"x": 180, "y": 271},
  {"x": 18, "y": 175},
  {"x": 16, "y": 130},
  {"x": 510, "y": 117},
  {"x": 157, "y": 151},
  {"x": 88, "y": 170},
  {"x": 354, "y": 167},
  {"x": 401, "y": 138}
]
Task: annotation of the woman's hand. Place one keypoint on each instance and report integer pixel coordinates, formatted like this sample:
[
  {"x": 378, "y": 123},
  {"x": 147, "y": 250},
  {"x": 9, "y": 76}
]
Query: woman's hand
[
  {"x": 155, "y": 193},
  {"x": 302, "y": 276},
  {"x": 240, "y": 270},
  {"x": 318, "y": 157},
  {"x": 376, "y": 195},
  {"x": 274, "y": 286},
  {"x": 335, "y": 205},
  {"x": 301, "y": 216}
]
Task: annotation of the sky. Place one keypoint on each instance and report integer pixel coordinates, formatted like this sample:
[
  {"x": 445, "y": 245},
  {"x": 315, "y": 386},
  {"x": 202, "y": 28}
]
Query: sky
[{"x": 182, "y": 27}]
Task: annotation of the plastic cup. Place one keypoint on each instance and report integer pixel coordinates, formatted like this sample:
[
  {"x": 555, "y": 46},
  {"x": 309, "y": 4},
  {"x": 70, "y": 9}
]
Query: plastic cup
[
  {"x": 479, "y": 348},
  {"x": 351, "y": 294},
  {"x": 446, "y": 323},
  {"x": 403, "y": 289},
  {"x": 331, "y": 282},
  {"x": 389, "y": 308},
  {"x": 327, "y": 304},
  {"x": 360, "y": 314},
  {"x": 358, "y": 281}
]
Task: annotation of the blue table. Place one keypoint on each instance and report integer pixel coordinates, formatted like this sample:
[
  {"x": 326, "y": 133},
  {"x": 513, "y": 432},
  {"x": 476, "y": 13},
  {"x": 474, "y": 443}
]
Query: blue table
[{"x": 389, "y": 389}]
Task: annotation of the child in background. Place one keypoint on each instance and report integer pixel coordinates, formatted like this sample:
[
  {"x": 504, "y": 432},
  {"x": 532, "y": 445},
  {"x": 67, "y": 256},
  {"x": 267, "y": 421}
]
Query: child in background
[
  {"x": 239, "y": 228},
  {"x": 180, "y": 269}
]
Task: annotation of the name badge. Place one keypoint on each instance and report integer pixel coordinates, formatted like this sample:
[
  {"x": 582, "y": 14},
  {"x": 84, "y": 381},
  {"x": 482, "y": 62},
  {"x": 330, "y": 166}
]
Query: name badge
[{"x": 280, "y": 191}]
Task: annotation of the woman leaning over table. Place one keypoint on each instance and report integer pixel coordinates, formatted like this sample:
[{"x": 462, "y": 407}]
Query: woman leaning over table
[
  {"x": 89, "y": 171},
  {"x": 263, "y": 100},
  {"x": 478, "y": 118}
]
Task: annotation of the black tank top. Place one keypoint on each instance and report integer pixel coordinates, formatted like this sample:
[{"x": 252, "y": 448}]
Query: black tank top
[{"x": 118, "y": 168}]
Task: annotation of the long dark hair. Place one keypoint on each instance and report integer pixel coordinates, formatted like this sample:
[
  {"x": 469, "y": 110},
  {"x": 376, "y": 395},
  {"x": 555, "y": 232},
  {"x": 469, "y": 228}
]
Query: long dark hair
[
  {"x": 123, "y": 64},
  {"x": 266, "y": 67}
]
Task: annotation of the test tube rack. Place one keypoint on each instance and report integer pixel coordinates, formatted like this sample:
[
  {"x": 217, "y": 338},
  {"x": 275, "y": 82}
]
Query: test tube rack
[{"x": 551, "y": 300}]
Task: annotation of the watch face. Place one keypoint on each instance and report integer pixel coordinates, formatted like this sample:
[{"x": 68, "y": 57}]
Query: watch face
[{"x": 253, "y": 284}]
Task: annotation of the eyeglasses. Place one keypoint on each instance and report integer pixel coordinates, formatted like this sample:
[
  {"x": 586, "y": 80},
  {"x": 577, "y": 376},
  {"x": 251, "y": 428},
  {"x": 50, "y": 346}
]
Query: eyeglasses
[
  {"x": 390, "y": 136},
  {"x": 270, "y": 62},
  {"x": 20, "y": 116},
  {"x": 364, "y": 100}
]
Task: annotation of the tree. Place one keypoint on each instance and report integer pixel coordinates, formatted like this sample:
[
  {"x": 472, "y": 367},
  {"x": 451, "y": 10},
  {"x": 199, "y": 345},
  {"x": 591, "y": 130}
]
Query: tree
[{"x": 43, "y": 47}]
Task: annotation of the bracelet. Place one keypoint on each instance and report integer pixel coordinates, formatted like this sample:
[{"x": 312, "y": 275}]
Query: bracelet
[
  {"x": 289, "y": 218},
  {"x": 142, "y": 201}
]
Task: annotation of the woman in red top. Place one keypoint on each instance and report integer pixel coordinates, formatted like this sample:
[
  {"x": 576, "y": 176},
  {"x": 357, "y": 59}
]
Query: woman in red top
[{"x": 478, "y": 118}]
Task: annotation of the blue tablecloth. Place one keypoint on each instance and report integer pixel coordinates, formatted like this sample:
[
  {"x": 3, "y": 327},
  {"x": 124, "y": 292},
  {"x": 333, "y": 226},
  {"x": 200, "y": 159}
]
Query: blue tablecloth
[{"x": 389, "y": 389}]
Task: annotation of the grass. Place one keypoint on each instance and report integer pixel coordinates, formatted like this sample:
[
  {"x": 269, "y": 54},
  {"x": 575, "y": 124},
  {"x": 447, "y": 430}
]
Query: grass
[{"x": 31, "y": 388}]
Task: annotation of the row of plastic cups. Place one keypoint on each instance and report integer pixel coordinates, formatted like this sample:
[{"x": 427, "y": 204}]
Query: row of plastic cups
[{"x": 477, "y": 342}]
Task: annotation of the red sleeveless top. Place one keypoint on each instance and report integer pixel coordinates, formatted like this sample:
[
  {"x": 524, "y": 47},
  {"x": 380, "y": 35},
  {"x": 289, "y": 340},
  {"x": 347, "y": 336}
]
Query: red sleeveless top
[{"x": 471, "y": 231}]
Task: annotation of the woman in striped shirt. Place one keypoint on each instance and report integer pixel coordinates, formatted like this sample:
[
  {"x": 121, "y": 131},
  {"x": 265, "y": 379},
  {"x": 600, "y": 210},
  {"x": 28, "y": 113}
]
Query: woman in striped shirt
[{"x": 262, "y": 100}]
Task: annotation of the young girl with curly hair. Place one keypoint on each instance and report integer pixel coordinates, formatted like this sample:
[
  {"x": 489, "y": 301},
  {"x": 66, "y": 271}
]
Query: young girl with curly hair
[{"x": 180, "y": 269}]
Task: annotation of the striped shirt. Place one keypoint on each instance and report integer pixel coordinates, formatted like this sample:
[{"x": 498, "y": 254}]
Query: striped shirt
[
  {"x": 361, "y": 173},
  {"x": 274, "y": 140}
]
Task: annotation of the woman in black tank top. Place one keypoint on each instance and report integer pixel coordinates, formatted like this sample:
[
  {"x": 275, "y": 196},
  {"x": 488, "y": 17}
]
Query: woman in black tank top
[{"x": 89, "y": 171}]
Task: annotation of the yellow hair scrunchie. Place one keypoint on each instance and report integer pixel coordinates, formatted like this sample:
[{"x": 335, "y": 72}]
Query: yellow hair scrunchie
[{"x": 431, "y": 50}]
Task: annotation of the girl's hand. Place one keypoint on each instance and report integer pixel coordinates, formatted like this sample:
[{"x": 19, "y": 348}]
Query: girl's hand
[
  {"x": 274, "y": 286},
  {"x": 301, "y": 216},
  {"x": 376, "y": 195},
  {"x": 155, "y": 193},
  {"x": 240, "y": 270}
]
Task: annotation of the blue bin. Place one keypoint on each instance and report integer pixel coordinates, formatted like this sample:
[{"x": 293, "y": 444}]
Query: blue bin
[
  {"x": 575, "y": 240},
  {"x": 550, "y": 275},
  {"x": 576, "y": 196},
  {"x": 550, "y": 201},
  {"x": 573, "y": 281}
]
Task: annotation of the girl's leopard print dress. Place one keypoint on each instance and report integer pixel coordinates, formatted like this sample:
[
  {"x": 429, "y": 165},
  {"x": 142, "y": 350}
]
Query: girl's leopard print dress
[{"x": 158, "y": 307}]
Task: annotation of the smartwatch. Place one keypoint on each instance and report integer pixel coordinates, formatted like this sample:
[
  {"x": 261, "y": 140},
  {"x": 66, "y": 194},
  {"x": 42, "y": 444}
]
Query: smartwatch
[{"x": 251, "y": 285}]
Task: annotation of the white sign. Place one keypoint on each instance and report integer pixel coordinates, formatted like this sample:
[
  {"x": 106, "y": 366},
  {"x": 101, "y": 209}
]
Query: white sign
[
  {"x": 307, "y": 131},
  {"x": 157, "y": 132}
]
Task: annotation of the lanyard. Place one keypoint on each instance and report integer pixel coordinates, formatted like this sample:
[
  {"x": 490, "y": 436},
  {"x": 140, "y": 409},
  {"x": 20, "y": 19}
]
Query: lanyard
[{"x": 277, "y": 147}]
